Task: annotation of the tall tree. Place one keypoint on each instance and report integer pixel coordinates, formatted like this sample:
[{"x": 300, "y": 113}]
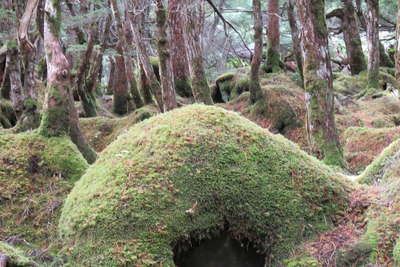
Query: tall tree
[
  {"x": 318, "y": 82},
  {"x": 296, "y": 39},
  {"x": 194, "y": 21},
  {"x": 373, "y": 43},
  {"x": 273, "y": 63},
  {"x": 163, "y": 48},
  {"x": 255, "y": 87},
  {"x": 180, "y": 64},
  {"x": 60, "y": 116}
]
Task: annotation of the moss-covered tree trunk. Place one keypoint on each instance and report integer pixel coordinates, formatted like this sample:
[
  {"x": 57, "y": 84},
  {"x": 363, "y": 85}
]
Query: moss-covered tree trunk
[
  {"x": 273, "y": 63},
  {"x": 14, "y": 72},
  {"x": 163, "y": 48},
  {"x": 130, "y": 78},
  {"x": 87, "y": 97},
  {"x": 111, "y": 76},
  {"x": 373, "y": 43},
  {"x": 135, "y": 8},
  {"x": 296, "y": 39},
  {"x": 318, "y": 83},
  {"x": 180, "y": 64},
  {"x": 255, "y": 87},
  {"x": 60, "y": 116},
  {"x": 384, "y": 58},
  {"x": 194, "y": 22},
  {"x": 397, "y": 49},
  {"x": 352, "y": 38}
]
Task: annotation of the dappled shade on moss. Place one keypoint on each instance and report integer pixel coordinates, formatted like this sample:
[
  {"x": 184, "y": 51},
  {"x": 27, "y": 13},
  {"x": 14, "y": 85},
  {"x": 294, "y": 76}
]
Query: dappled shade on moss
[{"x": 187, "y": 174}]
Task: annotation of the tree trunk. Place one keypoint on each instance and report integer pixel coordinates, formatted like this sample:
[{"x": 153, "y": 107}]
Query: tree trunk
[
  {"x": 111, "y": 76},
  {"x": 352, "y": 38},
  {"x": 193, "y": 21},
  {"x": 120, "y": 84},
  {"x": 86, "y": 97},
  {"x": 273, "y": 63},
  {"x": 3, "y": 260},
  {"x": 60, "y": 116},
  {"x": 397, "y": 51},
  {"x": 145, "y": 86},
  {"x": 122, "y": 29},
  {"x": 296, "y": 39},
  {"x": 14, "y": 71},
  {"x": 384, "y": 58},
  {"x": 318, "y": 82},
  {"x": 180, "y": 64},
  {"x": 134, "y": 10},
  {"x": 373, "y": 43},
  {"x": 255, "y": 88},
  {"x": 163, "y": 48}
]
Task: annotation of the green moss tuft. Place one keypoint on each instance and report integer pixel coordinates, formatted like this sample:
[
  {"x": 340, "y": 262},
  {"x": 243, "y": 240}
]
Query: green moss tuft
[
  {"x": 16, "y": 256},
  {"x": 188, "y": 173}
]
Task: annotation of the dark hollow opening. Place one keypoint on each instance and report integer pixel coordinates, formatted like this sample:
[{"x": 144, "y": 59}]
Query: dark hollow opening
[{"x": 220, "y": 251}]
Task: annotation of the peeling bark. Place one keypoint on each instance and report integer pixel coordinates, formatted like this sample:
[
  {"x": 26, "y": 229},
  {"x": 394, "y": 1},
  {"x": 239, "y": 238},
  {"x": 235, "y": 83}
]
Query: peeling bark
[{"x": 318, "y": 83}]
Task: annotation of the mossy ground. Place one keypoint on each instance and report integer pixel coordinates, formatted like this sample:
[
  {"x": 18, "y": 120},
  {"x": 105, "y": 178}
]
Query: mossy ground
[
  {"x": 188, "y": 174},
  {"x": 16, "y": 256},
  {"x": 36, "y": 173},
  {"x": 101, "y": 131},
  {"x": 363, "y": 144}
]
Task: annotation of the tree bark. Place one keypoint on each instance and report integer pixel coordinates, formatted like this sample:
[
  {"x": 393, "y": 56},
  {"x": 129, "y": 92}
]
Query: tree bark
[
  {"x": 60, "y": 116},
  {"x": 145, "y": 86},
  {"x": 180, "y": 64},
  {"x": 193, "y": 21},
  {"x": 3, "y": 260},
  {"x": 255, "y": 87},
  {"x": 352, "y": 38},
  {"x": 163, "y": 48},
  {"x": 296, "y": 39},
  {"x": 318, "y": 83},
  {"x": 135, "y": 9},
  {"x": 273, "y": 63},
  {"x": 373, "y": 43},
  {"x": 120, "y": 84}
]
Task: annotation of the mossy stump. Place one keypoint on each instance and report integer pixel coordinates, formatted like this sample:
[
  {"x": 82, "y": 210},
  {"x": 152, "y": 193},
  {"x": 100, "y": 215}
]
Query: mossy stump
[{"x": 190, "y": 174}]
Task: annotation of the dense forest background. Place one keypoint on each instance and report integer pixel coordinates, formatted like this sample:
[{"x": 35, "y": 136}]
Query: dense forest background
[{"x": 119, "y": 147}]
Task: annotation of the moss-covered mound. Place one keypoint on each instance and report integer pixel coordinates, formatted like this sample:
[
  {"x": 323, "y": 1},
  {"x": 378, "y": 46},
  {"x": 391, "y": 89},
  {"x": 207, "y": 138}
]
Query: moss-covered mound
[
  {"x": 192, "y": 172},
  {"x": 284, "y": 109},
  {"x": 36, "y": 174},
  {"x": 362, "y": 145},
  {"x": 8, "y": 117},
  {"x": 230, "y": 85},
  {"x": 101, "y": 131}
]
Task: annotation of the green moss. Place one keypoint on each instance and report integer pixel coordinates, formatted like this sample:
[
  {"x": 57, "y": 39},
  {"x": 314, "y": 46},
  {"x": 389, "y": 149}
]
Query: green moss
[
  {"x": 188, "y": 173},
  {"x": 273, "y": 62},
  {"x": 303, "y": 260},
  {"x": 8, "y": 117},
  {"x": 396, "y": 252},
  {"x": 16, "y": 256},
  {"x": 36, "y": 173}
]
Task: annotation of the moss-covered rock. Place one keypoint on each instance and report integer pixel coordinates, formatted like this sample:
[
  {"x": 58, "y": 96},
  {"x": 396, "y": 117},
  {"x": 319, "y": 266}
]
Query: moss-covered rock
[
  {"x": 101, "y": 131},
  {"x": 230, "y": 85},
  {"x": 8, "y": 118},
  {"x": 192, "y": 172},
  {"x": 36, "y": 174}
]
